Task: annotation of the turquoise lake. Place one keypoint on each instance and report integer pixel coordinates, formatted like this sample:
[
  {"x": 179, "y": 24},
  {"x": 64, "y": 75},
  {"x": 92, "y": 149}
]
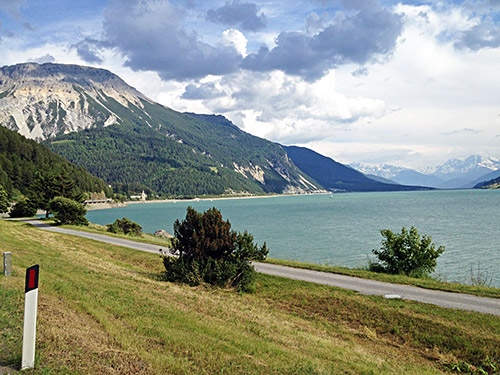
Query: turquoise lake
[{"x": 343, "y": 229}]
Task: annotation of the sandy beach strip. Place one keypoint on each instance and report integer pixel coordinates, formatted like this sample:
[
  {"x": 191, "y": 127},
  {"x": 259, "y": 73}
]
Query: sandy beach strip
[{"x": 103, "y": 206}]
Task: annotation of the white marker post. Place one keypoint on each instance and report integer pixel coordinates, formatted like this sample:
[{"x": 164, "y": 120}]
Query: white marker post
[
  {"x": 30, "y": 307},
  {"x": 7, "y": 264}
]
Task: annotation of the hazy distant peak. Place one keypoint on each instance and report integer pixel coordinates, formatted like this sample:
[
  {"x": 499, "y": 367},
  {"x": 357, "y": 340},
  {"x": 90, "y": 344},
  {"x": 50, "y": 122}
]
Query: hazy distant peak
[{"x": 454, "y": 173}]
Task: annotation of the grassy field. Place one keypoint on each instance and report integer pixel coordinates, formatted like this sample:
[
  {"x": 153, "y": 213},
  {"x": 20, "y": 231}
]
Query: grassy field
[{"x": 105, "y": 310}]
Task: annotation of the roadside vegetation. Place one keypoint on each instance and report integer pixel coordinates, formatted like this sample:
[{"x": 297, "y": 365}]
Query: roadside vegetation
[
  {"x": 105, "y": 309},
  {"x": 208, "y": 251},
  {"x": 125, "y": 226},
  {"x": 406, "y": 254},
  {"x": 424, "y": 282},
  {"x": 428, "y": 282}
]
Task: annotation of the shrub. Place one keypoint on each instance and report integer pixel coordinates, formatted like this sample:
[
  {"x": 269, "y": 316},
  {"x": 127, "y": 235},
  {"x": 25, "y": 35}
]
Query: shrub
[
  {"x": 23, "y": 208},
  {"x": 68, "y": 211},
  {"x": 406, "y": 253},
  {"x": 125, "y": 226},
  {"x": 210, "y": 252}
]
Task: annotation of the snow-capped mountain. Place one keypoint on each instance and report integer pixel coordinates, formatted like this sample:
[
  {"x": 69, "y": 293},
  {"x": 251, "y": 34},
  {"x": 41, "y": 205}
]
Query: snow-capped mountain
[
  {"x": 404, "y": 176},
  {"x": 454, "y": 173},
  {"x": 471, "y": 168}
]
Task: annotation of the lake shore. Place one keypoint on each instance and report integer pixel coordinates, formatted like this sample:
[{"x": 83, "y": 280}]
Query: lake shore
[{"x": 103, "y": 206}]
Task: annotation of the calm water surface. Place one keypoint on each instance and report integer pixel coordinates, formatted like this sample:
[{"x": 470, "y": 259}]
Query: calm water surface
[{"x": 343, "y": 229}]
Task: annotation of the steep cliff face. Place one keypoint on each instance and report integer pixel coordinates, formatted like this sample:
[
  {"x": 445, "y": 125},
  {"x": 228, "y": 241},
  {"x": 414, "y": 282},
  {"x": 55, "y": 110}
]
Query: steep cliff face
[
  {"x": 94, "y": 119},
  {"x": 42, "y": 101}
]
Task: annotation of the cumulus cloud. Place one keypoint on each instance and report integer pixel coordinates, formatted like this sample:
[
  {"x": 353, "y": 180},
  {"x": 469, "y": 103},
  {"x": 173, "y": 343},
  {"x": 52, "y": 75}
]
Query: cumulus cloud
[
  {"x": 47, "y": 58},
  {"x": 154, "y": 36},
  {"x": 151, "y": 36},
  {"x": 360, "y": 35},
  {"x": 483, "y": 35},
  {"x": 363, "y": 71},
  {"x": 241, "y": 15},
  {"x": 87, "y": 50},
  {"x": 284, "y": 108},
  {"x": 202, "y": 91},
  {"x": 237, "y": 39}
]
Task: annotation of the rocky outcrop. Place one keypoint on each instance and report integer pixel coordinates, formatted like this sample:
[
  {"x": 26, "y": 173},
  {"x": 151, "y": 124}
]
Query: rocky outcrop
[
  {"x": 162, "y": 233},
  {"x": 42, "y": 101}
]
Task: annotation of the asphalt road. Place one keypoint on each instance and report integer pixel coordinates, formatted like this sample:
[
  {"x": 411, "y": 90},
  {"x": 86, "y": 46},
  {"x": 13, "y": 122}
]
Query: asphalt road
[{"x": 363, "y": 286}]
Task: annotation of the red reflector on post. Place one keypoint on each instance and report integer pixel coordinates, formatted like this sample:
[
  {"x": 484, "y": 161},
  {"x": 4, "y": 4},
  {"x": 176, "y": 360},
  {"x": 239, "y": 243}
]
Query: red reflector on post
[
  {"x": 31, "y": 283},
  {"x": 31, "y": 278}
]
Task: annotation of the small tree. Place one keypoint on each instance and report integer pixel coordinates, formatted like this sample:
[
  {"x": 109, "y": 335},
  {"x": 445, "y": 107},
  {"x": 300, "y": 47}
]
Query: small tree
[
  {"x": 4, "y": 201},
  {"x": 125, "y": 226},
  {"x": 209, "y": 251},
  {"x": 68, "y": 211},
  {"x": 406, "y": 253},
  {"x": 23, "y": 208}
]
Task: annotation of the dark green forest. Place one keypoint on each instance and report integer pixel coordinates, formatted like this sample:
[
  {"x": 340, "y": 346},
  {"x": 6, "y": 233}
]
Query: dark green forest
[{"x": 22, "y": 160}]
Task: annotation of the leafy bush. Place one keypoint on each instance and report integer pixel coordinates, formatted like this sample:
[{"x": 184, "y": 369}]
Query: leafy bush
[
  {"x": 125, "y": 226},
  {"x": 209, "y": 251},
  {"x": 23, "y": 208},
  {"x": 68, "y": 211},
  {"x": 406, "y": 253}
]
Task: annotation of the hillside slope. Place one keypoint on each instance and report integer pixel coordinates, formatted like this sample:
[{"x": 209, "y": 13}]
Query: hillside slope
[
  {"x": 491, "y": 184},
  {"x": 22, "y": 159}
]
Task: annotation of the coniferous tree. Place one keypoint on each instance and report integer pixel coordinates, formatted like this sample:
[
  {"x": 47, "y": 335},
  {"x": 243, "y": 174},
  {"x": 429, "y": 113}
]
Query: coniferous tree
[
  {"x": 47, "y": 186},
  {"x": 209, "y": 251},
  {"x": 4, "y": 201}
]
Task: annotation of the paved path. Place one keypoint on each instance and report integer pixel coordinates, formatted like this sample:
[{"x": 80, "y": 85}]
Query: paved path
[
  {"x": 363, "y": 286},
  {"x": 99, "y": 237}
]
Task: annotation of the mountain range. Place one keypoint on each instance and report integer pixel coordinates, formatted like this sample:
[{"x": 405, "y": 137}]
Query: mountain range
[
  {"x": 453, "y": 174},
  {"x": 92, "y": 118}
]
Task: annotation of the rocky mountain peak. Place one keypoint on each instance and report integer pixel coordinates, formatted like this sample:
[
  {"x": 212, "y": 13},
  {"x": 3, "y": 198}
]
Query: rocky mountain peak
[{"x": 43, "y": 100}]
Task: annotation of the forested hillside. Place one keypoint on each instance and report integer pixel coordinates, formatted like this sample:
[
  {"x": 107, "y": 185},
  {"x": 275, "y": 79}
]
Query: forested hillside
[
  {"x": 168, "y": 153},
  {"x": 21, "y": 160},
  {"x": 136, "y": 159}
]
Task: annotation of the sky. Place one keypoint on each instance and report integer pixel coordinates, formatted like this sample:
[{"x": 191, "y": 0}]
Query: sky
[{"x": 409, "y": 83}]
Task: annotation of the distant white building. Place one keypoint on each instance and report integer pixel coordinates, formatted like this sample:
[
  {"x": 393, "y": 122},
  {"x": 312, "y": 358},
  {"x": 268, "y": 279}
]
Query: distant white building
[{"x": 141, "y": 197}]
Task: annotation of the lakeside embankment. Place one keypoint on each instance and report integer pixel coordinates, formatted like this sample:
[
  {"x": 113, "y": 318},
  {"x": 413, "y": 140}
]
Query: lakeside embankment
[
  {"x": 103, "y": 206},
  {"x": 104, "y": 309}
]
